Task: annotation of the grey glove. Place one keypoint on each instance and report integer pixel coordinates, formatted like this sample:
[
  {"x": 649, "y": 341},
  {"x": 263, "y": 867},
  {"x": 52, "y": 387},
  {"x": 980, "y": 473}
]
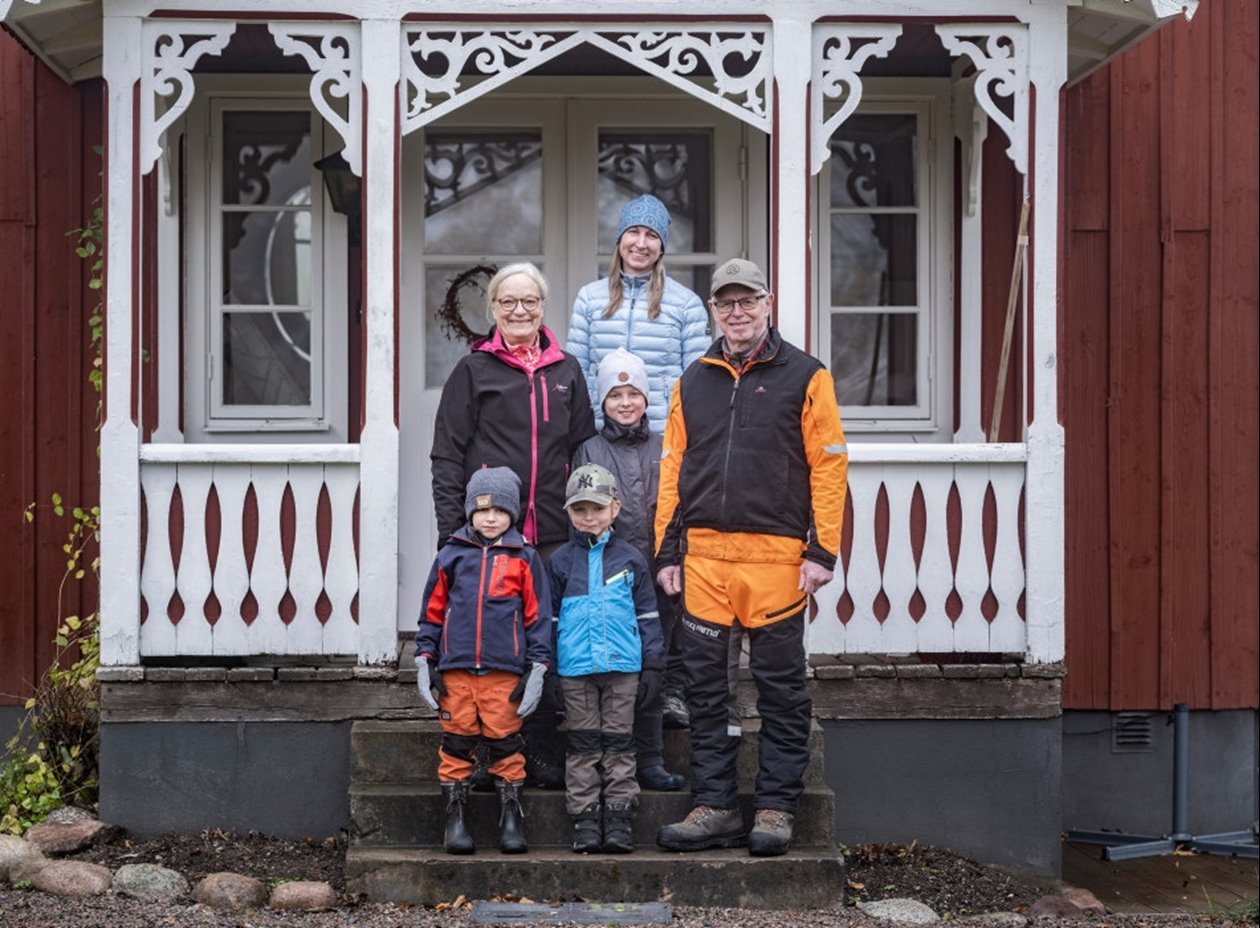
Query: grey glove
[
  {"x": 429, "y": 682},
  {"x": 529, "y": 689}
]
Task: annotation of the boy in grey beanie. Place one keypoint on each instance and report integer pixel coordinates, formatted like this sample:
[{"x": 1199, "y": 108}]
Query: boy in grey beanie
[{"x": 487, "y": 592}]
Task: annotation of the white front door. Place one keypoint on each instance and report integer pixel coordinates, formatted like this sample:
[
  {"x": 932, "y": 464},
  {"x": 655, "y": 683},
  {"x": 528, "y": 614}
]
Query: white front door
[{"x": 540, "y": 174}]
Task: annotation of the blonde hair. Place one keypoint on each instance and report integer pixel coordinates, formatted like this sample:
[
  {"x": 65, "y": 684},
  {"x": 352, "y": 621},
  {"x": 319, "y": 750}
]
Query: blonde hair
[
  {"x": 656, "y": 286},
  {"x": 527, "y": 268}
]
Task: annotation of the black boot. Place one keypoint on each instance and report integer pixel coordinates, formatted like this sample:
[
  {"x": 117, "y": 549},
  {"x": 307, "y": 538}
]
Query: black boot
[
  {"x": 511, "y": 817},
  {"x": 618, "y": 828},
  {"x": 457, "y": 840},
  {"x": 481, "y": 780},
  {"x": 586, "y": 832}
]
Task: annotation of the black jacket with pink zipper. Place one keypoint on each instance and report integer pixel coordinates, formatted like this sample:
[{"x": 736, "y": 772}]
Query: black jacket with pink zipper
[{"x": 494, "y": 412}]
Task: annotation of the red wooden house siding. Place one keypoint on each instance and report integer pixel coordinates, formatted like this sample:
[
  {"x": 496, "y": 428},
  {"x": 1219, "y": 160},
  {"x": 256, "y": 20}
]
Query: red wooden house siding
[
  {"x": 49, "y": 179},
  {"x": 1159, "y": 345}
]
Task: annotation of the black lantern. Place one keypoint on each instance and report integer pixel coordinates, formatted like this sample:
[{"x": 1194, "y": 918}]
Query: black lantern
[{"x": 344, "y": 188}]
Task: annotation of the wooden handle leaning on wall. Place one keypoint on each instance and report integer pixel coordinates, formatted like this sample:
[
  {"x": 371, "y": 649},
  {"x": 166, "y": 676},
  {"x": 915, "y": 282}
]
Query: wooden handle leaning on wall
[{"x": 1012, "y": 301}]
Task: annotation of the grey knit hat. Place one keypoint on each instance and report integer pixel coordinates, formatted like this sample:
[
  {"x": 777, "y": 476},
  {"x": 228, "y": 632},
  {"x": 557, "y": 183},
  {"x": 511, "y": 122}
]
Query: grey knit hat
[
  {"x": 620, "y": 368},
  {"x": 649, "y": 212},
  {"x": 494, "y": 488}
]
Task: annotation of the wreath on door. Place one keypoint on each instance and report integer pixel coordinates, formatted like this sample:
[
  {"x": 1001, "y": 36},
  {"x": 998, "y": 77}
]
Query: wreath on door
[{"x": 451, "y": 313}]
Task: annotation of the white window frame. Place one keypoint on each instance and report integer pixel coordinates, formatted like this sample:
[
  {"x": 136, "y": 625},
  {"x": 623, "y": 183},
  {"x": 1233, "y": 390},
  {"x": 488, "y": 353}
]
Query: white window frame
[
  {"x": 931, "y": 418},
  {"x": 207, "y": 418}
]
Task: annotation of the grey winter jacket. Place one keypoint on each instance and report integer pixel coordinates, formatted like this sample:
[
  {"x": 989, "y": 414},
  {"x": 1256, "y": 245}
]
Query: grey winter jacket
[{"x": 634, "y": 457}]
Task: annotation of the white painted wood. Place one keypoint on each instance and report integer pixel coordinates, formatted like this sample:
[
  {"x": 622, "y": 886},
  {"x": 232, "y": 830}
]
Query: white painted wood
[
  {"x": 1008, "y": 632},
  {"x": 341, "y": 577},
  {"x": 193, "y": 634},
  {"x": 971, "y": 126},
  {"x": 331, "y": 51},
  {"x": 231, "y": 577},
  {"x": 157, "y": 575},
  {"x": 899, "y": 572},
  {"x": 268, "y": 580},
  {"x": 378, "y": 569},
  {"x": 1045, "y": 503},
  {"x": 971, "y": 579},
  {"x": 935, "y": 631},
  {"x": 836, "y": 63},
  {"x": 789, "y": 277},
  {"x": 120, "y": 477},
  {"x": 305, "y": 633},
  {"x": 249, "y": 454},
  {"x": 169, "y": 221}
]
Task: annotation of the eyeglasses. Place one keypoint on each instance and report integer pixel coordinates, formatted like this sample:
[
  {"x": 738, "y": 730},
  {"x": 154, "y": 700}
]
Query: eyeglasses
[
  {"x": 746, "y": 303},
  {"x": 508, "y": 304}
]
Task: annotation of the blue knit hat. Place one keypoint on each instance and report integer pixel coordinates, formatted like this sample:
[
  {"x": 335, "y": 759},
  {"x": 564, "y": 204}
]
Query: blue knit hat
[{"x": 649, "y": 212}]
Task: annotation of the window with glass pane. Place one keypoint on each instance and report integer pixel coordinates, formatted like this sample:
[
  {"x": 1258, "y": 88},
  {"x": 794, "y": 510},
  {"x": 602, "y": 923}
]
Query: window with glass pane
[
  {"x": 874, "y": 223},
  {"x": 268, "y": 270},
  {"x": 675, "y": 167}
]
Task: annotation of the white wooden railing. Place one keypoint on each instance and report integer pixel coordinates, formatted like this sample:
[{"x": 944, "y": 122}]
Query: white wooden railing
[
  {"x": 932, "y": 558},
  {"x": 249, "y": 549}
]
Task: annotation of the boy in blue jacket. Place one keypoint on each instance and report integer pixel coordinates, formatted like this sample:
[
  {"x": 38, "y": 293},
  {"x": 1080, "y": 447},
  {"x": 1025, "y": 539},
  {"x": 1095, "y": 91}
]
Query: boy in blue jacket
[
  {"x": 609, "y": 657},
  {"x": 482, "y": 651}
]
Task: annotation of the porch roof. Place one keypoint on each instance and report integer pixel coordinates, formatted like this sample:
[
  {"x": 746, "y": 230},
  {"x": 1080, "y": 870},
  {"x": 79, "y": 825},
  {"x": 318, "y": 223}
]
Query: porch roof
[{"x": 67, "y": 34}]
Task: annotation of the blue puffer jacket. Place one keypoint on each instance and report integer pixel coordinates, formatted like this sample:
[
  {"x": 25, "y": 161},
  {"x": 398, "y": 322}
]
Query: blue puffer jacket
[
  {"x": 606, "y": 603},
  {"x": 667, "y": 344}
]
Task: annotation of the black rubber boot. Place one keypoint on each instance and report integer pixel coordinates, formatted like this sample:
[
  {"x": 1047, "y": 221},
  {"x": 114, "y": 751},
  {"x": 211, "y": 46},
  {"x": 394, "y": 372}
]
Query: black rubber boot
[
  {"x": 511, "y": 818},
  {"x": 481, "y": 780},
  {"x": 618, "y": 828},
  {"x": 586, "y": 832},
  {"x": 457, "y": 840}
]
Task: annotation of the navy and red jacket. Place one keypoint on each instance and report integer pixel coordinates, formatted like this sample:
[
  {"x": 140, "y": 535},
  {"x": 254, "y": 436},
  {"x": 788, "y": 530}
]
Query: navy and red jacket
[
  {"x": 486, "y": 606},
  {"x": 494, "y": 412}
]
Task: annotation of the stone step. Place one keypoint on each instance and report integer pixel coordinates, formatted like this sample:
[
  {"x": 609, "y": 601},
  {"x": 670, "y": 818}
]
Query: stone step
[
  {"x": 406, "y": 752},
  {"x": 408, "y": 814},
  {"x": 801, "y": 879}
]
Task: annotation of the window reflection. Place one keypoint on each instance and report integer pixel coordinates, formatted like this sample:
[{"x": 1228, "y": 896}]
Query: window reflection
[
  {"x": 675, "y": 168},
  {"x": 873, "y": 357},
  {"x": 267, "y": 359}
]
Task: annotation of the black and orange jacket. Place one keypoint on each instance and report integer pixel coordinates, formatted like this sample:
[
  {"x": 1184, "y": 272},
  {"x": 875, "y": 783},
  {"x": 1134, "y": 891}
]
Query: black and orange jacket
[
  {"x": 486, "y": 607},
  {"x": 754, "y": 464}
]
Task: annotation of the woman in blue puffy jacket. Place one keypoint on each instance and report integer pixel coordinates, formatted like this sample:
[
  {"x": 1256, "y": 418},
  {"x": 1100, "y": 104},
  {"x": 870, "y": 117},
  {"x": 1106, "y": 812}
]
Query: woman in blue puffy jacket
[{"x": 638, "y": 308}]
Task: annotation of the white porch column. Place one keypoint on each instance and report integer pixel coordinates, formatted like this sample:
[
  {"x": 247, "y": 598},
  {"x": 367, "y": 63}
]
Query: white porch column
[
  {"x": 1047, "y": 30},
  {"x": 790, "y": 239},
  {"x": 120, "y": 437},
  {"x": 378, "y": 473}
]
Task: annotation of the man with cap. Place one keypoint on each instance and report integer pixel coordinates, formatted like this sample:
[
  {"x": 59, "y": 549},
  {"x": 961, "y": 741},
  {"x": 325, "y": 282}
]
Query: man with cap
[
  {"x": 486, "y": 594},
  {"x": 748, "y": 519}
]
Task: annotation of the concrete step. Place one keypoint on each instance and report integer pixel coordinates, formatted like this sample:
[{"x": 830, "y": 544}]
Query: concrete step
[
  {"x": 801, "y": 879},
  {"x": 402, "y": 814},
  {"x": 406, "y": 752}
]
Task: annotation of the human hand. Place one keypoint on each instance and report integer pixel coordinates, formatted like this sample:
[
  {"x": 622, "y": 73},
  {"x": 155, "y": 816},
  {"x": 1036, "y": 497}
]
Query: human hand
[
  {"x": 429, "y": 682},
  {"x": 649, "y": 687},
  {"x": 670, "y": 579},
  {"x": 529, "y": 689},
  {"x": 813, "y": 577}
]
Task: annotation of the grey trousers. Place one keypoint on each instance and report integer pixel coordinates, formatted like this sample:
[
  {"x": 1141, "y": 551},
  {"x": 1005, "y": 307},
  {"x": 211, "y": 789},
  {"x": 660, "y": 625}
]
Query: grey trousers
[{"x": 600, "y": 766}]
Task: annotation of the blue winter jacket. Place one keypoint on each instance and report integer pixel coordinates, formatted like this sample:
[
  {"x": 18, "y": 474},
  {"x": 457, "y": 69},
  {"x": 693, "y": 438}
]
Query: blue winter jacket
[
  {"x": 486, "y": 607},
  {"x": 667, "y": 344},
  {"x": 603, "y": 594}
]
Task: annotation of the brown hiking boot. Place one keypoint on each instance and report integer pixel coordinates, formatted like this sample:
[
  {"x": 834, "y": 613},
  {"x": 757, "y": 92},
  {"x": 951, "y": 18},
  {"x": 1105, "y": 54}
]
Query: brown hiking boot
[
  {"x": 771, "y": 833},
  {"x": 704, "y": 828}
]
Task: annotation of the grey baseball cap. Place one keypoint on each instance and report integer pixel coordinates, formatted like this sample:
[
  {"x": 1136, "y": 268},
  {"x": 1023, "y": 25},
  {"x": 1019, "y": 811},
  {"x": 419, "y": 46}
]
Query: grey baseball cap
[
  {"x": 591, "y": 483},
  {"x": 741, "y": 272}
]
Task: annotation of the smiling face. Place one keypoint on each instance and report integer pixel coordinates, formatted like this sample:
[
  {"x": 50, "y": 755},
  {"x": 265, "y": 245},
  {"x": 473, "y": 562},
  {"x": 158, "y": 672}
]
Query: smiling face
[
  {"x": 742, "y": 326},
  {"x": 518, "y": 309},
  {"x": 625, "y": 405},
  {"x": 640, "y": 249},
  {"x": 593, "y": 518}
]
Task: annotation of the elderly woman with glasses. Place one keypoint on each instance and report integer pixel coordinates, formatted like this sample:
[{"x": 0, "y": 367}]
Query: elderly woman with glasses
[{"x": 515, "y": 400}]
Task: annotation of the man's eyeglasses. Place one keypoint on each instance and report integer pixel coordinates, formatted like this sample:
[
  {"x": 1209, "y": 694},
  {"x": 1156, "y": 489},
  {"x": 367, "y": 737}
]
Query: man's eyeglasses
[
  {"x": 508, "y": 304},
  {"x": 746, "y": 303}
]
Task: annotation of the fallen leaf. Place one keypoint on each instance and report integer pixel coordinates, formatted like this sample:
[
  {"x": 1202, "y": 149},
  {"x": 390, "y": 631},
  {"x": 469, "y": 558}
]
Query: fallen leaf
[{"x": 856, "y": 886}]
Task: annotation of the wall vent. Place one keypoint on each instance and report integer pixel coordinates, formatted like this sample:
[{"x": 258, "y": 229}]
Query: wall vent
[{"x": 1131, "y": 733}]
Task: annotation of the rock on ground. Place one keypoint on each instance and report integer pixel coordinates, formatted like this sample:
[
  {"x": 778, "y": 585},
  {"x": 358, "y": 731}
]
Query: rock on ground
[
  {"x": 231, "y": 892},
  {"x": 1070, "y": 903},
  {"x": 304, "y": 895},
  {"x": 18, "y": 859},
  {"x": 150, "y": 883},
  {"x": 73, "y": 878},
  {"x": 68, "y": 815},
  {"x": 57, "y": 838},
  {"x": 904, "y": 911}
]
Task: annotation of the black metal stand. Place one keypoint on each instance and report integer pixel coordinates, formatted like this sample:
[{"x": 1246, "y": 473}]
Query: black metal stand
[{"x": 1122, "y": 846}]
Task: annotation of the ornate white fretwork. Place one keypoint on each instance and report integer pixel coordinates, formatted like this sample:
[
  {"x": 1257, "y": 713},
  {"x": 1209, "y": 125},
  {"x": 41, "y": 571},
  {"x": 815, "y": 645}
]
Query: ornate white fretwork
[
  {"x": 331, "y": 51},
  {"x": 1000, "y": 56},
  {"x": 435, "y": 56},
  {"x": 171, "y": 48},
  {"x": 839, "y": 53}
]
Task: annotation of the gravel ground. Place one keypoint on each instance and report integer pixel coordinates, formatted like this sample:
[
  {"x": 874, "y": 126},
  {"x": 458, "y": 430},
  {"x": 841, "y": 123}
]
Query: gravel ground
[{"x": 954, "y": 887}]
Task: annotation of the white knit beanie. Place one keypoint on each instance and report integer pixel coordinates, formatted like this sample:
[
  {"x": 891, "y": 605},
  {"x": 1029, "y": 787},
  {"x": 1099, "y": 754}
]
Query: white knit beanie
[{"x": 620, "y": 368}]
